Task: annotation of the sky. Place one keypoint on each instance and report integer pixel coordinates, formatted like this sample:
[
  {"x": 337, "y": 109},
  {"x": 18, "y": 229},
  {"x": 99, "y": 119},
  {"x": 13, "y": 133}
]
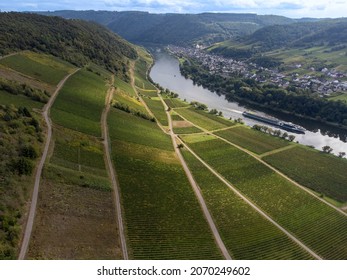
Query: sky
[{"x": 289, "y": 8}]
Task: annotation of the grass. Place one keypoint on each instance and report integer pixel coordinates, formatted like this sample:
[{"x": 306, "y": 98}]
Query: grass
[
  {"x": 325, "y": 174},
  {"x": 80, "y": 103},
  {"x": 252, "y": 140},
  {"x": 203, "y": 119},
  {"x": 316, "y": 224},
  {"x": 124, "y": 87},
  {"x": 45, "y": 68},
  {"x": 130, "y": 101},
  {"x": 157, "y": 108},
  {"x": 175, "y": 102},
  {"x": 19, "y": 100},
  {"x": 141, "y": 68},
  {"x": 246, "y": 233},
  {"x": 341, "y": 97},
  {"x": 127, "y": 131},
  {"x": 186, "y": 130},
  {"x": 176, "y": 117},
  {"x": 162, "y": 216},
  {"x": 148, "y": 93}
]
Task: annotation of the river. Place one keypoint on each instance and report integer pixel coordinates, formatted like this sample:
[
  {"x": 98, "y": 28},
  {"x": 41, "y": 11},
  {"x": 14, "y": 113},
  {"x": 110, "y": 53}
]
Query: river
[{"x": 166, "y": 73}]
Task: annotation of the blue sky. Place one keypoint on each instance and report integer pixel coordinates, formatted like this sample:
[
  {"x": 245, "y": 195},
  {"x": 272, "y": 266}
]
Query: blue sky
[{"x": 290, "y": 8}]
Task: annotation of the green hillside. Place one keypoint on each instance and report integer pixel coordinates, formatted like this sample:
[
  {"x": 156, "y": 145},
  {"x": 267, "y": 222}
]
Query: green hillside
[
  {"x": 75, "y": 41},
  {"x": 144, "y": 27},
  {"x": 330, "y": 33}
]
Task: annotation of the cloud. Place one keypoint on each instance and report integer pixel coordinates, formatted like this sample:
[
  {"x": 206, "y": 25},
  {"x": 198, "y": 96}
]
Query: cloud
[{"x": 291, "y": 8}]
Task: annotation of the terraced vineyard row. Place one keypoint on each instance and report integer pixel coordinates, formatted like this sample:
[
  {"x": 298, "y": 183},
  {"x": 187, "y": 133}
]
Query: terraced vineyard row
[
  {"x": 203, "y": 119},
  {"x": 323, "y": 173},
  {"x": 80, "y": 103},
  {"x": 162, "y": 216},
  {"x": 252, "y": 140},
  {"x": 246, "y": 233},
  {"x": 75, "y": 204},
  {"x": 317, "y": 225}
]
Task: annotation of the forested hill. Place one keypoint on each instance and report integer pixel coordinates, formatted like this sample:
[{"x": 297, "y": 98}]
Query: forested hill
[
  {"x": 305, "y": 34},
  {"x": 144, "y": 27},
  {"x": 76, "y": 41}
]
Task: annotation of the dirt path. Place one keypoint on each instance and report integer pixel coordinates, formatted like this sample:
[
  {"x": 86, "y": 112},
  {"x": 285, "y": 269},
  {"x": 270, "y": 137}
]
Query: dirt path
[
  {"x": 186, "y": 169},
  {"x": 196, "y": 188},
  {"x": 8, "y": 55},
  {"x": 271, "y": 167},
  {"x": 297, "y": 241},
  {"x": 32, "y": 211},
  {"x": 277, "y": 151},
  {"x": 111, "y": 169}
]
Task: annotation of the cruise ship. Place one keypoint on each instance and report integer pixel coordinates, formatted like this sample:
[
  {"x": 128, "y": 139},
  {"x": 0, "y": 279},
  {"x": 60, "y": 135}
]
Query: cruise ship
[{"x": 276, "y": 122}]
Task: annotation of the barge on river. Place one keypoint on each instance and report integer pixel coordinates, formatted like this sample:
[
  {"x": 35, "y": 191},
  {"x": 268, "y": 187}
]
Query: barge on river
[{"x": 276, "y": 122}]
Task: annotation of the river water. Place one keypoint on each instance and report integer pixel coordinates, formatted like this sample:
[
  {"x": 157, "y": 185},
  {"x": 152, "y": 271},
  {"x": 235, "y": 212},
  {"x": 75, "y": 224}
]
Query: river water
[{"x": 166, "y": 73}]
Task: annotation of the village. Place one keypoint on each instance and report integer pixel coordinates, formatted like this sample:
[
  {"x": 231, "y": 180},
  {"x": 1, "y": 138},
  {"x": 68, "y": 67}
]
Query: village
[{"x": 324, "y": 82}]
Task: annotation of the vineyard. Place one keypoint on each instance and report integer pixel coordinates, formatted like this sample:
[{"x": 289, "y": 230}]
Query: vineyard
[
  {"x": 203, "y": 119},
  {"x": 252, "y": 140},
  {"x": 162, "y": 216},
  {"x": 80, "y": 103},
  {"x": 246, "y": 233},
  {"x": 316, "y": 224}
]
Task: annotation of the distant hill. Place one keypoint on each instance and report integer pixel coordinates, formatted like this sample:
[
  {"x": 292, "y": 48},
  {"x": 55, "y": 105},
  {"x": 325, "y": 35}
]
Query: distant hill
[
  {"x": 299, "y": 34},
  {"x": 75, "y": 41},
  {"x": 147, "y": 28}
]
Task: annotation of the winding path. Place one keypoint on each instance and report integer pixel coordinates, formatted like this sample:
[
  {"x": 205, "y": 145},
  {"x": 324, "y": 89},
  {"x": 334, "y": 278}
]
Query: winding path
[
  {"x": 32, "y": 211},
  {"x": 111, "y": 169}
]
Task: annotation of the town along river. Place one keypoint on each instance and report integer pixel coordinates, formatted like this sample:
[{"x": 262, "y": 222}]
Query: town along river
[{"x": 166, "y": 73}]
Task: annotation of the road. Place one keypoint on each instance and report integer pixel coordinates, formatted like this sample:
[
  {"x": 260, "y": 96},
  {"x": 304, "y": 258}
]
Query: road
[
  {"x": 111, "y": 170},
  {"x": 32, "y": 211}
]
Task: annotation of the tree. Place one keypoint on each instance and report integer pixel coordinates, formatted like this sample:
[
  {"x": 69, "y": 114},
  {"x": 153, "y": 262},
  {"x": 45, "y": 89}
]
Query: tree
[
  {"x": 213, "y": 111},
  {"x": 327, "y": 149},
  {"x": 342, "y": 154},
  {"x": 277, "y": 132},
  {"x": 285, "y": 135},
  {"x": 291, "y": 138}
]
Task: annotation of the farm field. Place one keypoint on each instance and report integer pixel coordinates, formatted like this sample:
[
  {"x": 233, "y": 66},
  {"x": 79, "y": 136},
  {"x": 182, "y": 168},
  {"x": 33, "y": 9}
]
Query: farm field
[
  {"x": 80, "y": 103},
  {"x": 129, "y": 101},
  {"x": 325, "y": 174},
  {"x": 175, "y": 102},
  {"x": 246, "y": 233},
  {"x": 75, "y": 205},
  {"x": 141, "y": 67},
  {"x": 316, "y": 224},
  {"x": 148, "y": 93},
  {"x": 252, "y": 140},
  {"x": 342, "y": 97},
  {"x": 203, "y": 119},
  {"x": 45, "y": 68},
  {"x": 70, "y": 221},
  {"x": 157, "y": 108},
  {"x": 162, "y": 216},
  {"x": 19, "y": 100},
  {"x": 123, "y": 87},
  {"x": 186, "y": 130}
]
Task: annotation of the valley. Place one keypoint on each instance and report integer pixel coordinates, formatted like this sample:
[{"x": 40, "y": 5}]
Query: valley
[{"x": 100, "y": 161}]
